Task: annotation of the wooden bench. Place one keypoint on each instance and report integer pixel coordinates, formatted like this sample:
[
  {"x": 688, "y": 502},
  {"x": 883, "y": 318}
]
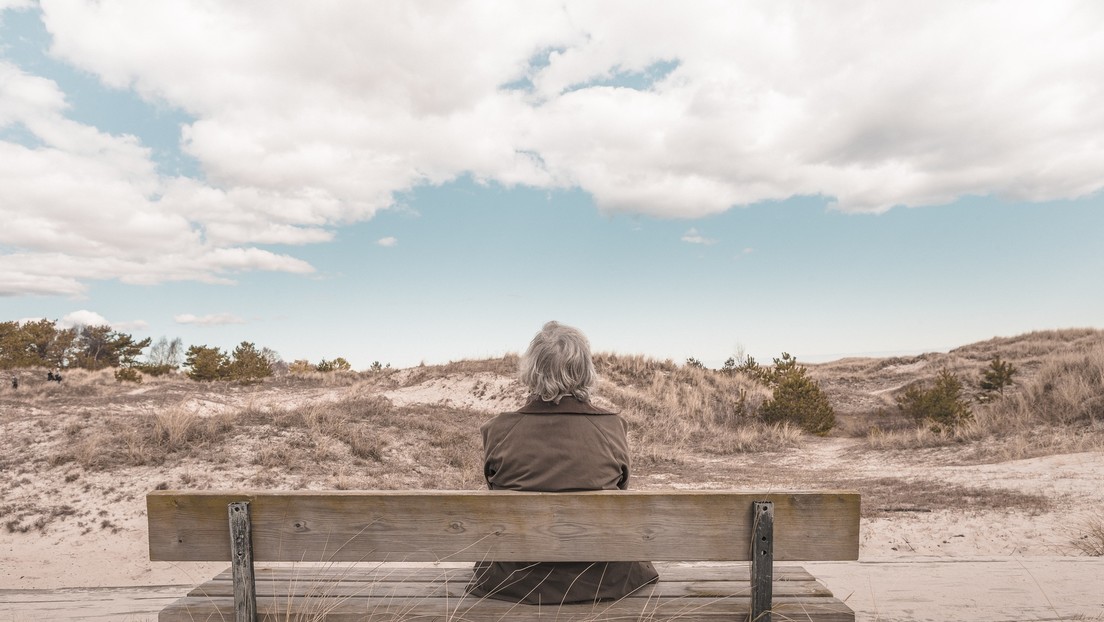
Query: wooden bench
[{"x": 353, "y": 553}]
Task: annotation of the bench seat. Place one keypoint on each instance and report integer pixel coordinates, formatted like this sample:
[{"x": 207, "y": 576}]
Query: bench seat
[
  {"x": 377, "y": 592},
  {"x": 407, "y": 555}
]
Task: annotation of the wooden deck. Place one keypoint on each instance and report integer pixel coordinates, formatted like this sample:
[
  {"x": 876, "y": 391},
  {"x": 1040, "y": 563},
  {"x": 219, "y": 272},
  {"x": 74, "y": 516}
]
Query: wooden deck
[{"x": 951, "y": 590}]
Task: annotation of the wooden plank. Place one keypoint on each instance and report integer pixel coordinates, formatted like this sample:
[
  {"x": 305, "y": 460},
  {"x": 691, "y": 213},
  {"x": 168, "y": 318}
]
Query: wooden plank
[
  {"x": 471, "y": 610},
  {"x": 503, "y": 526},
  {"x": 393, "y": 572},
  {"x": 456, "y": 589}
]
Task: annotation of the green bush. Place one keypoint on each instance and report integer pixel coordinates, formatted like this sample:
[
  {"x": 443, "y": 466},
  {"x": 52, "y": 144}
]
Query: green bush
[
  {"x": 942, "y": 404},
  {"x": 248, "y": 364},
  {"x": 338, "y": 364},
  {"x": 127, "y": 374},
  {"x": 996, "y": 378},
  {"x": 797, "y": 398},
  {"x": 206, "y": 363}
]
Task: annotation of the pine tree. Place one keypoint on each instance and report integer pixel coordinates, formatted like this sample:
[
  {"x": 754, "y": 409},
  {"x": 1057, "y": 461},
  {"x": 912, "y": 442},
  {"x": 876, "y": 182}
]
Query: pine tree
[
  {"x": 206, "y": 363},
  {"x": 942, "y": 403},
  {"x": 797, "y": 398},
  {"x": 997, "y": 377}
]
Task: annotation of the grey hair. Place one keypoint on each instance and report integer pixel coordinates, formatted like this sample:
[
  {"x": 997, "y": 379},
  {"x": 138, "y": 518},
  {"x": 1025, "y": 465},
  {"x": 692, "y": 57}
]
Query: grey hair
[{"x": 558, "y": 363}]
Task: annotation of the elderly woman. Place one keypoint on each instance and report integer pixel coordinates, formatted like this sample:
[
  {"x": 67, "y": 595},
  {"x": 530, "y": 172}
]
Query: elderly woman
[{"x": 558, "y": 442}]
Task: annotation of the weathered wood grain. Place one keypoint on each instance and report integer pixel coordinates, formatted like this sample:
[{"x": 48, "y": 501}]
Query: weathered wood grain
[
  {"x": 241, "y": 561},
  {"x": 762, "y": 561},
  {"x": 668, "y": 571},
  {"x": 504, "y": 526},
  {"x": 308, "y": 586},
  {"x": 807, "y": 609}
]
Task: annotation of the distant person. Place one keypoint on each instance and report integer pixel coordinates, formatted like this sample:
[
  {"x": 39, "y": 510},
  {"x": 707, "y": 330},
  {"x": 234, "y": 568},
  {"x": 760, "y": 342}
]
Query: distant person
[
  {"x": 49, "y": 376},
  {"x": 558, "y": 442},
  {"x": 15, "y": 381}
]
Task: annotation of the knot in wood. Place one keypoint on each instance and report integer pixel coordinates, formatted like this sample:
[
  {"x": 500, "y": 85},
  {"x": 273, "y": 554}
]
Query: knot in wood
[
  {"x": 300, "y": 526},
  {"x": 456, "y": 526},
  {"x": 567, "y": 529}
]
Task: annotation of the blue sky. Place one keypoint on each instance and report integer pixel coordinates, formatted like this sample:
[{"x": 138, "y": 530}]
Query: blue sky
[{"x": 407, "y": 182}]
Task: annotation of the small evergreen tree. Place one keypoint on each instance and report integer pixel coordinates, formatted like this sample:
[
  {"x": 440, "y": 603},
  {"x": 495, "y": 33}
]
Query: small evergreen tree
[
  {"x": 997, "y": 377},
  {"x": 942, "y": 403},
  {"x": 693, "y": 362},
  {"x": 206, "y": 363},
  {"x": 797, "y": 398},
  {"x": 338, "y": 364},
  {"x": 755, "y": 371},
  {"x": 248, "y": 364}
]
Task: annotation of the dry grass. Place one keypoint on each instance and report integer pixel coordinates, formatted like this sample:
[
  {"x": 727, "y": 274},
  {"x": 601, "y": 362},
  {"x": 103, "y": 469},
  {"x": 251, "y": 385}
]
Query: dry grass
[
  {"x": 504, "y": 366},
  {"x": 883, "y": 496},
  {"x": 1090, "y": 536},
  {"x": 672, "y": 409},
  {"x": 317, "y": 441},
  {"x": 334, "y": 430},
  {"x": 1056, "y": 406}
]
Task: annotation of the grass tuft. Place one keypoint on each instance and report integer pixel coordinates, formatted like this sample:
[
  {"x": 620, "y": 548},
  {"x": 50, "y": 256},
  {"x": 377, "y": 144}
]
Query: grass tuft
[{"x": 1090, "y": 537}]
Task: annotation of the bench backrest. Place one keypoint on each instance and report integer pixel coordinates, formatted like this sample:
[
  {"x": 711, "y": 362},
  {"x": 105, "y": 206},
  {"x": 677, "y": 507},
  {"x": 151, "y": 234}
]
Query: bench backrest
[{"x": 352, "y": 526}]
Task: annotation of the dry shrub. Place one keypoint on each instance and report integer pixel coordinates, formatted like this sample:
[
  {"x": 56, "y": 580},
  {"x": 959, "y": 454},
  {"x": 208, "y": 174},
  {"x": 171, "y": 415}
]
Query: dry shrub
[
  {"x": 1035, "y": 344},
  {"x": 1090, "y": 536},
  {"x": 890, "y": 495},
  {"x": 137, "y": 440},
  {"x": 672, "y": 408},
  {"x": 1068, "y": 389},
  {"x": 920, "y": 438},
  {"x": 755, "y": 437},
  {"x": 504, "y": 366},
  {"x": 1059, "y": 408}
]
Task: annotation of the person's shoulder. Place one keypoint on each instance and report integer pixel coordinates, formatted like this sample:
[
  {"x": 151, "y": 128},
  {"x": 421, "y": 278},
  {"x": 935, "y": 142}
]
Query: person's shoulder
[{"x": 501, "y": 421}]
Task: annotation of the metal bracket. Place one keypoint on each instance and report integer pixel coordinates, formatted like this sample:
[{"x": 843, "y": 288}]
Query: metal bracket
[
  {"x": 241, "y": 562},
  {"x": 762, "y": 560}
]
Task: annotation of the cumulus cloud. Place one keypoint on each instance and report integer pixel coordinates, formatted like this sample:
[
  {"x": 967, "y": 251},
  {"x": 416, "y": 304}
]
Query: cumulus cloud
[
  {"x": 213, "y": 319},
  {"x": 309, "y": 118},
  {"x": 693, "y": 237},
  {"x": 83, "y": 317},
  {"x": 84, "y": 204},
  {"x": 387, "y": 241}
]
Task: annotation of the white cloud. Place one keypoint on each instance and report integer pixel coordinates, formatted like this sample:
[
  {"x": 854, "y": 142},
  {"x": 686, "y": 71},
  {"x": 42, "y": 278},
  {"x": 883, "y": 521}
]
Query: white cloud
[
  {"x": 132, "y": 325},
  {"x": 693, "y": 237},
  {"x": 387, "y": 241},
  {"x": 89, "y": 205},
  {"x": 82, "y": 317},
  {"x": 16, "y": 4},
  {"x": 307, "y": 119},
  {"x": 213, "y": 319}
]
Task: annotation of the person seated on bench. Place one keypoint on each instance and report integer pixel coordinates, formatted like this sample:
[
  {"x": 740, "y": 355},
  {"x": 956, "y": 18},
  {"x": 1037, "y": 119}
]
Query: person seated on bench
[{"x": 558, "y": 442}]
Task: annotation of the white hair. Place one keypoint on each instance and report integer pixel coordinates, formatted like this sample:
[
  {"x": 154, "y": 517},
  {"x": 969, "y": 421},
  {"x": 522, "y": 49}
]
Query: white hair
[{"x": 558, "y": 363}]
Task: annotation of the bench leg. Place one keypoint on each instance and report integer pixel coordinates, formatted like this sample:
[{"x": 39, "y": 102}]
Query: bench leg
[
  {"x": 241, "y": 561},
  {"x": 762, "y": 560}
]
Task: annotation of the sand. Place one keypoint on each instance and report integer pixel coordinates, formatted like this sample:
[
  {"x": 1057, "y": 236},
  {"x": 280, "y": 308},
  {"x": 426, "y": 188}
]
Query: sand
[{"x": 916, "y": 563}]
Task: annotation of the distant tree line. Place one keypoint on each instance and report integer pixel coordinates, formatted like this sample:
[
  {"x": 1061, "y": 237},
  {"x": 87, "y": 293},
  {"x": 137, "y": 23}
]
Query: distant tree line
[{"x": 42, "y": 343}]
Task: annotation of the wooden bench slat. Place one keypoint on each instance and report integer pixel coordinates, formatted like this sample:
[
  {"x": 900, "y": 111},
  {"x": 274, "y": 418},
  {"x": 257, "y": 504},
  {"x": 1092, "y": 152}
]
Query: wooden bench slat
[
  {"x": 395, "y": 526},
  {"x": 667, "y": 571},
  {"x": 456, "y": 589},
  {"x": 468, "y": 610}
]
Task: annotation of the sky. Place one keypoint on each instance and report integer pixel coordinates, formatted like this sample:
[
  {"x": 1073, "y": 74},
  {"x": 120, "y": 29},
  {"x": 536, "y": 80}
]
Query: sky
[{"x": 412, "y": 181}]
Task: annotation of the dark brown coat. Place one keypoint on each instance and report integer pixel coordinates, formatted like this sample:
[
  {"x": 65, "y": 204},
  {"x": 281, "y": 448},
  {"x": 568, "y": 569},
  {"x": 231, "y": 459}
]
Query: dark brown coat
[{"x": 549, "y": 447}]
